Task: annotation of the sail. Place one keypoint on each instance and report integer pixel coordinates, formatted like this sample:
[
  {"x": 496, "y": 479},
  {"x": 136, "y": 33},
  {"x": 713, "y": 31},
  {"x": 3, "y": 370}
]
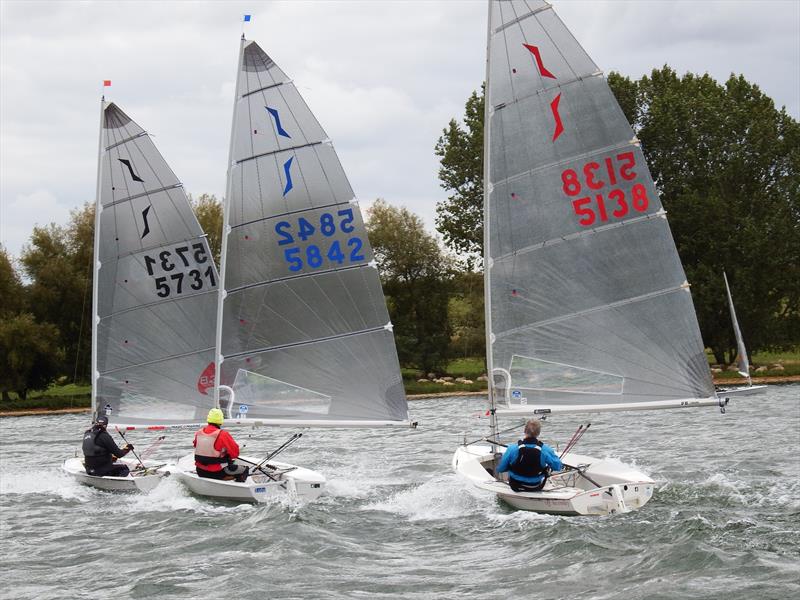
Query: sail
[
  {"x": 741, "y": 352},
  {"x": 304, "y": 334},
  {"x": 588, "y": 304},
  {"x": 155, "y": 303}
]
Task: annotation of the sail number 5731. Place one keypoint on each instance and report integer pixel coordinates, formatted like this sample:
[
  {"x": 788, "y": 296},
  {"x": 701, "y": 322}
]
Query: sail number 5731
[{"x": 601, "y": 205}]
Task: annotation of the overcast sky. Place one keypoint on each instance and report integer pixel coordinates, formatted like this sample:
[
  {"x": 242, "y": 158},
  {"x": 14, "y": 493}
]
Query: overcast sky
[{"x": 383, "y": 78}]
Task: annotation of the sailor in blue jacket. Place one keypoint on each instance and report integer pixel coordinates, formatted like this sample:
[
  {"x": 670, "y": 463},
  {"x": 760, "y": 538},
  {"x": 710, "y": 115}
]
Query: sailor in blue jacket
[{"x": 529, "y": 461}]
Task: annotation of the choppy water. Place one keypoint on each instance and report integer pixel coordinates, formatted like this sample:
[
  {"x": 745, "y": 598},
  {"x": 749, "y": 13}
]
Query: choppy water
[{"x": 397, "y": 523}]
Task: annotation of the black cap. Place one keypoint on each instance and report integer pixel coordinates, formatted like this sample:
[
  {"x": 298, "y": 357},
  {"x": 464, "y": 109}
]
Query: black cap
[{"x": 102, "y": 421}]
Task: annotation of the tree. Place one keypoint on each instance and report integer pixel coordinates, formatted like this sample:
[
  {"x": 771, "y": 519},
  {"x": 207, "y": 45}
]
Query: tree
[
  {"x": 460, "y": 218},
  {"x": 58, "y": 261},
  {"x": 209, "y": 213},
  {"x": 30, "y": 358},
  {"x": 11, "y": 290},
  {"x": 415, "y": 273},
  {"x": 726, "y": 163},
  {"x": 727, "y": 166},
  {"x": 466, "y": 315}
]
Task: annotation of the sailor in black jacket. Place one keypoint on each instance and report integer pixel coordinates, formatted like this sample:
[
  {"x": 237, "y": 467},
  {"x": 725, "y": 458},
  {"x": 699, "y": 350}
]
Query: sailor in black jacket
[{"x": 99, "y": 451}]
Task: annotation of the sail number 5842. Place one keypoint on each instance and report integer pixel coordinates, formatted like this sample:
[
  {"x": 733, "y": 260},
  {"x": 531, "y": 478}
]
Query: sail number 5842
[{"x": 599, "y": 206}]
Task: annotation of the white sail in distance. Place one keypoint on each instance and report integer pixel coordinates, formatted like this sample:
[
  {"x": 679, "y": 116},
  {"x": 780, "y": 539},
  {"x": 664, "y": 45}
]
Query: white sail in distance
[
  {"x": 155, "y": 287},
  {"x": 304, "y": 335},
  {"x": 587, "y": 302},
  {"x": 742, "y": 362}
]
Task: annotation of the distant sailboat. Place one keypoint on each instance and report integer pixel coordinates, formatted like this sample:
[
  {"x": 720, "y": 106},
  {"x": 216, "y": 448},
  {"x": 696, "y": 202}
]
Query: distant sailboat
[
  {"x": 154, "y": 294},
  {"x": 742, "y": 362},
  {"x": 587, "y": 304},
  {"x": 303, "y": 333}
]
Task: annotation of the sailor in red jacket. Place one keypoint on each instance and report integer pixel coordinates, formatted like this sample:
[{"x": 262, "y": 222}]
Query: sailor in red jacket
[{"x": 213, "y": 448}]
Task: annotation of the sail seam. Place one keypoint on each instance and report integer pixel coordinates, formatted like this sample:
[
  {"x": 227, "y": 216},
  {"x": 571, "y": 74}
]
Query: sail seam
[
  {"x": 158, "y": 360},
  {"x": 289, "y": 213},
  {"x": 125, "y": 141},
  {"x": 266, "y": 87},
  {"x": 579, "y": 234},
  {"x": 161, "y": 245},
  {"x": 589, "y": 311},
  {"x": 522, "y": 18},
  {"x": 157, "y": 303},
  {"x": 305, "y": 343},
  {"x": 293, "y": 277},
  {"x": 148, "y": 193},
  {"x": 278, "y": 151},
  {"x": 565, "y": 161},
  {"x": 559, "y": 85}
]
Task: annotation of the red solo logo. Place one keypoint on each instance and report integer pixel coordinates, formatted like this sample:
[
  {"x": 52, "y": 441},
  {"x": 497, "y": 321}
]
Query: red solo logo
[{"x": 206, "y": 379}]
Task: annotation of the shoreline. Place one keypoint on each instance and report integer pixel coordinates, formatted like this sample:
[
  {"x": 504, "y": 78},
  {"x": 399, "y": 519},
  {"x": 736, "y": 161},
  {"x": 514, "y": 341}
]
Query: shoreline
[{"x": 30, "y": 412}]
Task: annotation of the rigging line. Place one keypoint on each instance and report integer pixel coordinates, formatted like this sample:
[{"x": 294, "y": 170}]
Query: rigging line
[
  {"x": 579, "y": 234},
  {"x": 141, "y": 195},
  {"x": 588, "y": 311},
  {"x": 126, "y": 140},
  {"x": 156, "y": 361},
  {"x": 278, "y": 151},
  {"x": 291, "y": 277},
  {"x": 304, "y": 343}
]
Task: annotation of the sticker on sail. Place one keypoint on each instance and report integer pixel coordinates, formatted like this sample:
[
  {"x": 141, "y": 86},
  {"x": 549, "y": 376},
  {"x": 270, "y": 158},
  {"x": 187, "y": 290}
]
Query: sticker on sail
[
  {"x": 241, "y": 411},
  {"x": 206, "y": 379}
]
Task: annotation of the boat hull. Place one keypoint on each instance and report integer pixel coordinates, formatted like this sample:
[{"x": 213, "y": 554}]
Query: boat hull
[
  {"x": 607, "y": 487},
  {"x": 289, "y": 480},
  {"x": 135, "y": 482}
]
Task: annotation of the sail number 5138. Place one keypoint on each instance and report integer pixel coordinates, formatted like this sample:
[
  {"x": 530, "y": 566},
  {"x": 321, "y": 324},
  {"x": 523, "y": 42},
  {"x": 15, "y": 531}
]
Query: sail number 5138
[{"x": 599, "y": 206}]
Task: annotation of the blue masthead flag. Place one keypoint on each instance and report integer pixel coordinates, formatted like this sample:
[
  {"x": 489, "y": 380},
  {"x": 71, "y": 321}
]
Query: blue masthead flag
[{"x": 246, "y": 18}]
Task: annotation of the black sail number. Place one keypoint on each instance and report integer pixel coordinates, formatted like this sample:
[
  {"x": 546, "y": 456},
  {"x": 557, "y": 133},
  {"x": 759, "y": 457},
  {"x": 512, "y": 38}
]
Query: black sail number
[{"x": 188, "y": 276}]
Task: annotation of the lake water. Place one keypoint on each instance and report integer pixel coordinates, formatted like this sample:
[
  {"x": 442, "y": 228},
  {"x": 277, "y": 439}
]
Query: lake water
[{"x": 397, "y": 523}]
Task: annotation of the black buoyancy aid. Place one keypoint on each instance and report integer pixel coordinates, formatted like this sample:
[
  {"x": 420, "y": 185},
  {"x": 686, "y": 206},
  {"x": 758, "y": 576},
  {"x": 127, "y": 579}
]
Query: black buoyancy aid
[
  {"x": 529, "y": 459},
  {"x": 90, "y": 446}
]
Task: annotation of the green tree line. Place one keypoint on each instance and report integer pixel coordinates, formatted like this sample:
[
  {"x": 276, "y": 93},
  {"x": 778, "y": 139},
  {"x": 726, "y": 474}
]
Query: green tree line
[{"x": 725, "y": 160}]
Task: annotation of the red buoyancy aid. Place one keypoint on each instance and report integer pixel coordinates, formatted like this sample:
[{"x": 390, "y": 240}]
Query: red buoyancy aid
[{"x": 206, "y": 456}]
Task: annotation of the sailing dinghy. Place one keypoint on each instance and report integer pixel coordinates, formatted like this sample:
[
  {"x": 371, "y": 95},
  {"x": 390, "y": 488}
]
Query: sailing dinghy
[
  {"x": 303, "y": 333},
  {"x": 154, "y": 297},
  {"x": 742, "y": 362},
  {"x": 587, "y": 305}
]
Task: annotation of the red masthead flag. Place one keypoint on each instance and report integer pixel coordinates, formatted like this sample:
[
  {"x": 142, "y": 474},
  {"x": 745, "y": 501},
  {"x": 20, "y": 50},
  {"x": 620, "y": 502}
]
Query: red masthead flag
[{"x": 106, "y": 83}]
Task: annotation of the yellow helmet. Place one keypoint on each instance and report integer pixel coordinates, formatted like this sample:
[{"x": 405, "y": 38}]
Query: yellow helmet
[{"x": 215, "y": 416}]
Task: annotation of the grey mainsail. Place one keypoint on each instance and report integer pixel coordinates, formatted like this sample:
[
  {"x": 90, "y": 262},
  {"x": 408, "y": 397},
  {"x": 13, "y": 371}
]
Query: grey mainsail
[
  {"x": 587, "y": 301},
  {"x": 155, "y": 297},
  {"x": 742, "y": 362},
  {"x": 304, "y": 334}
]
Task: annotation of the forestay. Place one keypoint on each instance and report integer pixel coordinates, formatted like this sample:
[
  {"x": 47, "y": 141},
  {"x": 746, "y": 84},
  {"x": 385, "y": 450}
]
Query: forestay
[
  {"x": 305, "y": 335},
  {"x": 155, "y": 299},
  {"x": 588, "y": 301}
]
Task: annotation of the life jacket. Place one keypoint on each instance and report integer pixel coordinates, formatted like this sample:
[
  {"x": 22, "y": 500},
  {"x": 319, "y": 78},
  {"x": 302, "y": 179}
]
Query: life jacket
[
  {"x": 529, "y": 459},
  {"x": 90, "y": 446},
  {"x": 205, "y": 455}
]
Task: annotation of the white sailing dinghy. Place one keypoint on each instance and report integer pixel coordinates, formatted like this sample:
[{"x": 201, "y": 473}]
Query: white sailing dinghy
[
  {"x": 587, "y": 305},
  {"x": 154, "y": 297},
  {"x": 742, "y": 362},
  {"x": 304, "y": 337}
]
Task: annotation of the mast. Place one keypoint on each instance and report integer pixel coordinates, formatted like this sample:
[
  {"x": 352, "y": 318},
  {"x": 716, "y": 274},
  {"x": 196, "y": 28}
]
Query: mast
[
  {"x": 487, "y": 261},
  {"x": 98, "y": 208},
  {"x": 225, "y": 229}
]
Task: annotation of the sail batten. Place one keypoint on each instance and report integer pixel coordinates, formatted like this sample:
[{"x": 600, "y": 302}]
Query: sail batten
[
  {"x": 587, "y": 302},
  {"x": 278, "y": 151}
]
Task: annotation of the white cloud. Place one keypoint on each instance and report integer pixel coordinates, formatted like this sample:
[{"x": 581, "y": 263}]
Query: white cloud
[
  {"x": 19, "y": 216},
  {"x": 383, "y": 78}
]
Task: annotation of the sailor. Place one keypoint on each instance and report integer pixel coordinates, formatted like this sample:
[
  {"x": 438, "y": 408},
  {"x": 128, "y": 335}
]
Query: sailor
[
  {"x": 100, "y": 451},
  {"x": 529, "y": 461},
  {"x": 214, "y": 447}
]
